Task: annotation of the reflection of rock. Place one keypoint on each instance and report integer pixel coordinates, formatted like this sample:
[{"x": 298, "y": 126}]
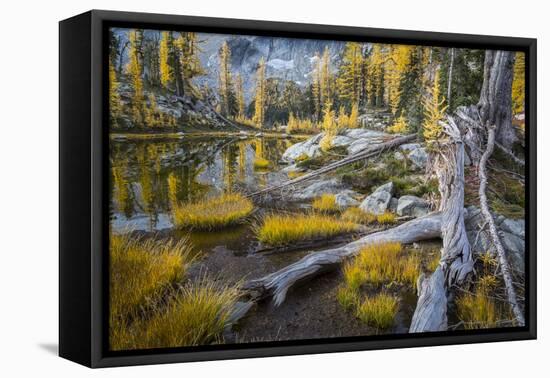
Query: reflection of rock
[
  {"x": 346, "y": 199},
  {"x": 511, "y": 232},
  {"x": 413, "y": 206},
  {"x": 309, "y": 148},
  {"x": 318, "y": 188},
  {"x": 379, "y": 201}
]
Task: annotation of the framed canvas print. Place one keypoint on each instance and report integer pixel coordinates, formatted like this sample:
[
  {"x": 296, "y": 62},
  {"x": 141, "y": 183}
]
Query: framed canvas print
[{"x": 233, "y": 188}]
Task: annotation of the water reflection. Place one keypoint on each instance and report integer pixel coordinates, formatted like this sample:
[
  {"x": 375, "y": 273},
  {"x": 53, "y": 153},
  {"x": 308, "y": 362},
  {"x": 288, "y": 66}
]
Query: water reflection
[{"x": 149, "y": 177}]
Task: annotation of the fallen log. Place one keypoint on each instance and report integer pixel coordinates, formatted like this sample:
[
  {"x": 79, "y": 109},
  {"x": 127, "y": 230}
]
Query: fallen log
[
  {"x": 278, "y": 283},
  {"x": 365, "y": 154}
]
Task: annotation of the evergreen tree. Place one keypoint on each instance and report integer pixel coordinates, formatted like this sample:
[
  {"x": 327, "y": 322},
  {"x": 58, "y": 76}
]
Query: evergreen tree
[
  {"x": 325, "y": 80},
  {"x": 350, "y": 76},
  {"x": 115, "y": 109},
  {"x": 228, "y": 99},
  {"x": 260, "y": 96},
  {"x": 134, "y": 70},
  {"x": 316, "y": 89},
  {"x": 239, "y": 94},
  {"x": 434, "y": 111},
  {"x": 518, "y": 84},
  {"x": 166, "y": 72}
]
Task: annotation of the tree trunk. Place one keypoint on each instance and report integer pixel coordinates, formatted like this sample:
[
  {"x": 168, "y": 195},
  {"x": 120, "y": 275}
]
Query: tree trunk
[
  {"x": 495, "y": 101},
  {"x": 456, "y": 262},
  {"x": 450, "y": 79}
]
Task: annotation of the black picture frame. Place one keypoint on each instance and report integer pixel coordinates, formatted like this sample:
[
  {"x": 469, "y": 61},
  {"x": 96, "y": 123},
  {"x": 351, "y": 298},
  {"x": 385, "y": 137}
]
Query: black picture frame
[{"x": 83, "y": 196}]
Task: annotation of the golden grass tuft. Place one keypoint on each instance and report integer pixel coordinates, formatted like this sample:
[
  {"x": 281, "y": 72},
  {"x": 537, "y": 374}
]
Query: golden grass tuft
[
  {"x": 213, "y": 213},
  {"x": 140, "y": 269},
  {"x": 348, "y": 298},
  {"x": 261, "y": 163},
  {"x": 294, "y": 174},
  {"x": 325, "y": 204},
  {"x": 195, "y": 314},
  {"x": 277, "y": 230},
  {"x": 386, "y": 218},
  {"x": 386, "y": 262},
  {"x": 477, "y": 310},
  {"x": 356, "y": 215},
  {"x": 140, "y": 272},
  {"x": 378, "y": 311},
  {"x": 354, "y": 276}
]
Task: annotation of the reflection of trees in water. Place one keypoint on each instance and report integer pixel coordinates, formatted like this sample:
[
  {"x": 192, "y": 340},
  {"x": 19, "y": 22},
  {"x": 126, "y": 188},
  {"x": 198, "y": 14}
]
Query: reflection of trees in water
[{"x": 151, "y": 177}]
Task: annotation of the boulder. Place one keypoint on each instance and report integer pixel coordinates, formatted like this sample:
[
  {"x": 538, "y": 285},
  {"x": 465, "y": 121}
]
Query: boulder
[
  {"x": 419, "y": 157},
  {"x": 412, "y": 206},
  {"x": 514, "y": 226},
  {"x": 317, "y": 189},
  {"x": 309, "y": 148},
  {"x": 346, "y": 199},
  {"x": 511, "y": 232},
  {"x": 379, "y": 201},
  {"x": 393, "y": 204}
]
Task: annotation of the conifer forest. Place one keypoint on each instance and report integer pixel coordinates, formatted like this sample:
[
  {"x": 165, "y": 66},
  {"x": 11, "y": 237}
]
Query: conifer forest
[{"x": 270, "y": 189}]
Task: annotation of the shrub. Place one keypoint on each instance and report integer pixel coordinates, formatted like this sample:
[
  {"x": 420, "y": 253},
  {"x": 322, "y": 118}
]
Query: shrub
[
  {"x": 195, "y": 314},
  {"x": 325, "y": 204},
  {"x": 213, "y": 213},
  {"x": 378, "y": 311},
  {"x": 356, "y": 215},
  {"x": 280, "y": 230}
]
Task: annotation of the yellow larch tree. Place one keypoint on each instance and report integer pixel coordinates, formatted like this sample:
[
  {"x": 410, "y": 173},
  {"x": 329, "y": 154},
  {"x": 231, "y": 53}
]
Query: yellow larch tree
[
  {"x": 434, "y": 112},
  {"x": 518, "y": 84},
  {"x": 115, "y": 108},
  {"x": 260, "y": 96},
  {"x": 396, "y": 66},
  {"x": 350, "y": 77},
  {"x": 166, "y": 73},
  {"x": 329, "y": 125},
  {"x": 134, "y": 69}
]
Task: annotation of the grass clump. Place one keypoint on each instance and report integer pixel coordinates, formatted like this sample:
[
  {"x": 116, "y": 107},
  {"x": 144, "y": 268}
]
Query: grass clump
[
  {"x": 195, "y": 314},
  {"x": 294, "y": 174},
  {"x": 477, "y": 310},
  {"x": 356, "y": 215},
  {"x": 213, "y": 213},
  {"x": 386, "y": 262},
  {"x": 348, "y": 298},
  {"x": 325, "y": 204},
  {"x": 386, "y": 218},
  {"x": 278, "y": 230},
  {"x": 140, "y": 272},
  {"x": 261, "y": 163},
  {"x": 378, "y": 311}
]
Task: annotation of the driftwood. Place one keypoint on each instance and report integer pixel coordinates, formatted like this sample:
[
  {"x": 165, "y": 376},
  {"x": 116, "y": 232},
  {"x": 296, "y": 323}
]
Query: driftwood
[
  {"x": 503, "y": 261},
  {"x": 278, "y": 283},
  {"x": 367, "y": 153},
  {"x": 456, "y": 262}
]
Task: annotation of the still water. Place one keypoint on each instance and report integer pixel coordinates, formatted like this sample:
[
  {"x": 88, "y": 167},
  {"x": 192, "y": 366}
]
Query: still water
[{"x": 149, "y": 176}]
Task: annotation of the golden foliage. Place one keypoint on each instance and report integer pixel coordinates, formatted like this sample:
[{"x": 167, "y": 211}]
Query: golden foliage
[
  {"x": 434, "y": 112},
  {"x": 399, "y": 126},
  {"x": 326, "y": 203},
  {"x": 213, "y": 213},
  {"x": 195, "y": 314},
  {"x": 356, "y": 215},
  {"x": 260, "y": 97},
  {"x": 378, "y": 311},
  {"x": 277, "y": 230},
  {"x": 518, "y": 84}
]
